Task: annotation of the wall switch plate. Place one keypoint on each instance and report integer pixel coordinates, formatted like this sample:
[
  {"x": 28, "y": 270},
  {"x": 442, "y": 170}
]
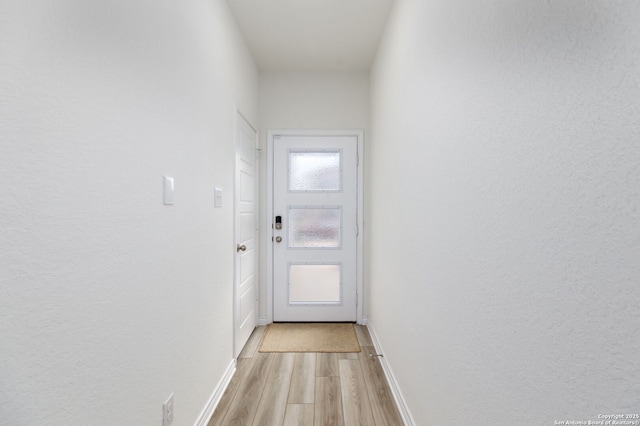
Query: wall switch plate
[
  {"x": 217, "y": 197},
  {"x": 167, "y": 410},
  {"x": 168, "y": 190}
]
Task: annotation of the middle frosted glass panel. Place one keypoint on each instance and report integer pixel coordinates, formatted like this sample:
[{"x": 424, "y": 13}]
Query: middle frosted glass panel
[
  {"x": 312, "y": 227},
  {"x": 314, "y": 171}
]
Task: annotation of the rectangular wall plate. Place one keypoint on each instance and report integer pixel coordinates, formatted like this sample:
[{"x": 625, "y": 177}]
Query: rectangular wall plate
[
  {"x": 168, "y": 190},
  {"x": 217, "y": 197}
]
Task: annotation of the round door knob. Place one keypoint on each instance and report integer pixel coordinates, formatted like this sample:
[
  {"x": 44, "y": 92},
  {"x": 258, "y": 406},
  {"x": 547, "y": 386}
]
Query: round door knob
[
  {"x": 278, "y": 239},
  {"x": 241, "y": 247}
]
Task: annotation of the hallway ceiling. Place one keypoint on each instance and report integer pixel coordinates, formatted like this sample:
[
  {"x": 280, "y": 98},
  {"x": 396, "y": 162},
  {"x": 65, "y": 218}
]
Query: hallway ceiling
[{"x": 312, "y": 35}]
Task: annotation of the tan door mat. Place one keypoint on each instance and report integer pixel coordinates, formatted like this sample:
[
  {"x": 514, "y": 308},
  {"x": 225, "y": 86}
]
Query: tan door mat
[{"x": 310, "y": 337}]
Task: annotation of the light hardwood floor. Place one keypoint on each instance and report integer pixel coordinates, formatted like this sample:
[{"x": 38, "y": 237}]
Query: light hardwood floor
[{"x": 273, "y": 389}]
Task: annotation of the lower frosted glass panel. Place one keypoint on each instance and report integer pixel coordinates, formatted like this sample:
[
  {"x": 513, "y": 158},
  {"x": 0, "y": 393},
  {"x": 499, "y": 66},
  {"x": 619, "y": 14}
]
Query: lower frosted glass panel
[{"x": 314, "y": 284}]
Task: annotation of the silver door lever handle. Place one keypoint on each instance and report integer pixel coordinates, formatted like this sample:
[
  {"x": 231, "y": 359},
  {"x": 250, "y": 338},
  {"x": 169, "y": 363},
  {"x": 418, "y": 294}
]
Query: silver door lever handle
[{"x": 241, "y": 248}]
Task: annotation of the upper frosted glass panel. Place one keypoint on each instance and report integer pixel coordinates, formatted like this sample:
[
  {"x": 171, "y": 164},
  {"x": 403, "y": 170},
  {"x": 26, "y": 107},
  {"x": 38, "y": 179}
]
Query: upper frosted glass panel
[{"x": 314, "y": 171}]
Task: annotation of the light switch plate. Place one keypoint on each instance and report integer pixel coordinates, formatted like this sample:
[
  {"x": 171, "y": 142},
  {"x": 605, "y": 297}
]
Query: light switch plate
[
  {"x": 168, "y": 190},
  {"x": 217, "y": 197}
]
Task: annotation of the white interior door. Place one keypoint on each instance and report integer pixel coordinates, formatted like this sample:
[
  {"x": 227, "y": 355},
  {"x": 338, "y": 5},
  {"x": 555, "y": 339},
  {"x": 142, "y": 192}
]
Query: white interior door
[
  {"x": 245, "y": 273},
  {"x": 315, "y": 221}
]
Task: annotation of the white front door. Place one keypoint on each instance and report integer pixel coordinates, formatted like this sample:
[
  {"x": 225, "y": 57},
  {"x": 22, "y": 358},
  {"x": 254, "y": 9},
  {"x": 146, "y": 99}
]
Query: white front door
[
  {"x": 245, "y": 277},
  {"x": 315, "y": 221}
]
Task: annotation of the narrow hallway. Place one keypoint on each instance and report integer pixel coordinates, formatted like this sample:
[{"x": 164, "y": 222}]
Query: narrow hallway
[{"x": 307, "y": 388}]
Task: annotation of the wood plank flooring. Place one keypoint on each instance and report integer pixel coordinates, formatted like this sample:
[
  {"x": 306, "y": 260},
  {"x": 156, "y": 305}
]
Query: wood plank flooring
[{"x": 317, "y": 389}]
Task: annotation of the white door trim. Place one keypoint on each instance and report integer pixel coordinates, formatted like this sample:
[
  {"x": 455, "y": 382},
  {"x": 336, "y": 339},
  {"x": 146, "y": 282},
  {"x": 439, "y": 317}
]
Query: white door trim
[{"x": 268, "y": 244}]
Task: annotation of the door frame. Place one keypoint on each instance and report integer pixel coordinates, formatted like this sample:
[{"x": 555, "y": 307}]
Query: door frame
[
  {"x": 268, "y": 245},
  {"x": 237, "y": 115}
]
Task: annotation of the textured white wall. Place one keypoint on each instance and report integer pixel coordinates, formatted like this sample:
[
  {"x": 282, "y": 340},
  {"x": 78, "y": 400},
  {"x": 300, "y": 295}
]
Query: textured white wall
[
  {"x": 109, "y": 300},
  {"x": 311, "y": 101},
  {"x": 308, "y": 100},
  {"x": 504, "y": 209}
]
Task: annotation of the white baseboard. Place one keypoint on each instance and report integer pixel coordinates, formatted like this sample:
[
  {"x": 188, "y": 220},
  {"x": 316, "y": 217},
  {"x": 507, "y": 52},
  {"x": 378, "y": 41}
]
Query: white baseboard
[
  {"x": 364, "y": 320},
  {"x": 391, "y": 378},
  {"x": 215, "y": 398},
  {"x": 263, "y": 321}
]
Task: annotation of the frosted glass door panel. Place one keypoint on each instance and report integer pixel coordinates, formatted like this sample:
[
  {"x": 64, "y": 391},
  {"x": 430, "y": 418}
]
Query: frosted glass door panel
[
  {"x": 314, "y": 171},
  {"x": 314, "y": 227},
  {"x": 315, "y": 199},
  {"x": 314, "y": 284}
]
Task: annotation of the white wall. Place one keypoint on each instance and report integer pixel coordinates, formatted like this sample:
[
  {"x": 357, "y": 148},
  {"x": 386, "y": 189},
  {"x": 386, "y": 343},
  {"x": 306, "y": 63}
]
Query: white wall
[
  {"x": 504, "y": 209},
  {"x": 311, "y": 101},
  {"x": 109, "y": 300}
]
